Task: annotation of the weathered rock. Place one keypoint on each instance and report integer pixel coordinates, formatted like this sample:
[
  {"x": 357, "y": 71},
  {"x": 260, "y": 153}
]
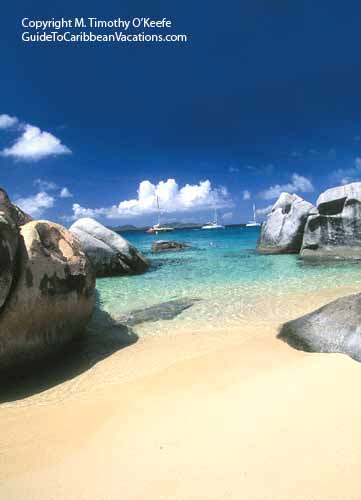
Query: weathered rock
[
  {"x": 164, "y": 311},
  {"x": 10, "y": 218},
  {"x": 166, "y": 245},
  {"x": 13, "y": 211},
  {"x": 52, "y": 296},
  {"x": 109, "y": 253},
  {"x": 334, "y": 230},
  {"x": 9, "y": 238},
  {"x": 283, "y": 230},
  {"x": 335, "y": 327}
]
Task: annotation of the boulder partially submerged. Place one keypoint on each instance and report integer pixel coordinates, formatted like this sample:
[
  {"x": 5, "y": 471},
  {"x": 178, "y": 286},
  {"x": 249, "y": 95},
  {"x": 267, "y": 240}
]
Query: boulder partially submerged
[
  {"x": 335, "y": 327},
  {"x": 283, "y": 230},
  {"x": 168, "y": 245},
  {"x": 51, "y": 297},
  {"x": 163, "y": 311},
  {"x": 109, "y": 253},
  {"x": 334, "y": 231}
]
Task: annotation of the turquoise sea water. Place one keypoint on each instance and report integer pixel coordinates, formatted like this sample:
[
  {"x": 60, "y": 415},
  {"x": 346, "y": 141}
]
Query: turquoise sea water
[{"x": 223, "y": 270}]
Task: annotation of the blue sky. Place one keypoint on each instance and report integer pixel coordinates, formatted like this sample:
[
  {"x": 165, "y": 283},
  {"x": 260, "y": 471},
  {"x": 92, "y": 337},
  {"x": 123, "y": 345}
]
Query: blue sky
[{"x": 264, "y": 96}]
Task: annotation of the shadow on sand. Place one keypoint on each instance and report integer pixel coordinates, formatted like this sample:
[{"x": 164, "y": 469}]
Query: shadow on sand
[{"x": 102, "y": 339}]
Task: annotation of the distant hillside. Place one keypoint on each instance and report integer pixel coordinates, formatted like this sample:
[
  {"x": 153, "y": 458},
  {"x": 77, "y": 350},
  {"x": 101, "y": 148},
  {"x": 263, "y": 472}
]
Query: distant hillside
[
  {"x": 126, "y": 227},
  {"x": 174, "y": 224}
]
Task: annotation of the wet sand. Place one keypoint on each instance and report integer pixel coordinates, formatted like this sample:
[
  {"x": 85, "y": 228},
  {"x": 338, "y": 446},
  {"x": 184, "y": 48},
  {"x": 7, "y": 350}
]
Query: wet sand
[{"x": 235, "y": 414}]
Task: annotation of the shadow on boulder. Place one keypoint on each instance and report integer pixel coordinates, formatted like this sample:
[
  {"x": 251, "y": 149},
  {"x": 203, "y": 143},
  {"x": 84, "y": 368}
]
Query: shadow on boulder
[{"x": 102, "y": 339}]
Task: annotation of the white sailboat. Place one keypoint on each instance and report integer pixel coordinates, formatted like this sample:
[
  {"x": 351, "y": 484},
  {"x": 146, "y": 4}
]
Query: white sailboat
[
  {"x": 253, "y": 223},
  {"x": 214, "y": 224},
  {"x": 158, "y": 228}
]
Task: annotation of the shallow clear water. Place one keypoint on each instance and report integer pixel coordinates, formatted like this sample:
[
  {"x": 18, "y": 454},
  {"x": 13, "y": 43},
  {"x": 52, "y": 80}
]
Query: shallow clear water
[{"x": 223, "y": 270}]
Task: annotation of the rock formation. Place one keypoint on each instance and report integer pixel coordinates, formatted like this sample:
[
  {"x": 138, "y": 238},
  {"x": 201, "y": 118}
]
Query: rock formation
[
  {"x": 15, "y": 213},
  {"x": 283, "y": 230},
  {"x": 335, "y": 327},
  {"x": 163, "y": 311},
  {"x": 109, "y": 253},
  {"x": 46, "y": 286},
  {"x": 333, "y": 231},
  {"x": 166, "y": 245}
]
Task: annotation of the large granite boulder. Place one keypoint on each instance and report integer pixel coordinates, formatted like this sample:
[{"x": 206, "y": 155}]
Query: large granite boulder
[
  {"x": 282, "y": 232},
  {"x": 11, "y": 217},
  {"x": 334, "y": 230},
  {"x": 109, "y": 253},
  {"x": 9, "y": 239},
  {"x": 168, "y": 245},
  {"x": 335, "y": 327},
  {"x": 51, "y": 297}
]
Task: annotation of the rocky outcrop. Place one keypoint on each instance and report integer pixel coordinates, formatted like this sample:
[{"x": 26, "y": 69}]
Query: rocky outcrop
[
  {"x": 9, "y": 240},
  {"x": 167, "y": 245},
  {"x": 332, "y": 328},
  {"x": 11, "y": 217},
  {"x": 109, "y": 253},
  {"x": 163, "y": 311},
  {"x": 283, "y": 230},
  {"x": 12, "y": 211},
  {"x": 333, "y": 231},
  {"x": 52, "y": 294}
]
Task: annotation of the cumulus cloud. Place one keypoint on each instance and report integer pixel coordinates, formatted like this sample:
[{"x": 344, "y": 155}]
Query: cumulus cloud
[
  {"x": 7, "y": 121},
  {"x": 34, "y": 145},
  {"x": 246, "y": 195},
  {"x": 65, "y": 193},
  {"x": 264, "y": 211},
  {"x": 36, "y": 205},
  {"x": 298, "y": 183},
  {"x": 347, "y": 175},
  {"x": 44, "y": 185},
  {"x": 172, "y": 199}
]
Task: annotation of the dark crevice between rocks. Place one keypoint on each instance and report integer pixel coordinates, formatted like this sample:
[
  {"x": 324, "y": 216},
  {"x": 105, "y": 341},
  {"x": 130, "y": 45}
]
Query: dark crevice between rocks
[
  {"x": 332, "y": 207},
  {"x": 17, "y": 272}
]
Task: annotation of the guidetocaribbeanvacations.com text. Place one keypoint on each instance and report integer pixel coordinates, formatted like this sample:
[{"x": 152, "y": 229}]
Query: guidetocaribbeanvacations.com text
[{"x": 92, "y": 29}]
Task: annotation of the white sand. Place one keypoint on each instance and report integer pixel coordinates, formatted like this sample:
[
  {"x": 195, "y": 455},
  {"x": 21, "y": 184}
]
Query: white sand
[{"x": 239, "y": 415}]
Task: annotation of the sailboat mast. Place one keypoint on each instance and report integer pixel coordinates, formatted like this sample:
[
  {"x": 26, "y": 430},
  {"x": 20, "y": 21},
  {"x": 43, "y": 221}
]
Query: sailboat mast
[
  {"x": 254, "y": 212},
  {"x": 158, "y": 211},
  {"x": 215, "y": 215}
]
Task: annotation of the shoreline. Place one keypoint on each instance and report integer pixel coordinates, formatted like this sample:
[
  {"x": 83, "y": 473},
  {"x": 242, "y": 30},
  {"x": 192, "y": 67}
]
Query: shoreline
[{"x": 197, "y": 415}]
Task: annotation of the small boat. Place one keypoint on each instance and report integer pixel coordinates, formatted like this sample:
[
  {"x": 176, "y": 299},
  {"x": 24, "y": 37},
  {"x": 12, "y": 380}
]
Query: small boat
[
  {"x": 253, "y": 223},
  {"x": 214, "y": 224},
  {"x": 158, "y": 228}
]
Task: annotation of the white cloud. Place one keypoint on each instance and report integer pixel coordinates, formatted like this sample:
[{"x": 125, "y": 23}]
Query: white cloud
[
  {"x": 298, "y": 183},
  {"x": 233, "y": 170},
  {"x": 44, "y": 185},
  {"x": 347, "y": 175},
  {"x": 227, "y": 215},
  {"x": 7, "y": 121},
  {"x": 36, "y": 205},
  {"x": 246, "y": 195},
  {"x": 34, "y": 144},
  {"x": 264, "y": 211},
  {"x": 172, "y": 199},
  {"x": 65, "y": 193}
]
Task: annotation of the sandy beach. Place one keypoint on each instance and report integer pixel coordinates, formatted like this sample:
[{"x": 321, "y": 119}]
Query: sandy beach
[{"x": 232, "y": 415}]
